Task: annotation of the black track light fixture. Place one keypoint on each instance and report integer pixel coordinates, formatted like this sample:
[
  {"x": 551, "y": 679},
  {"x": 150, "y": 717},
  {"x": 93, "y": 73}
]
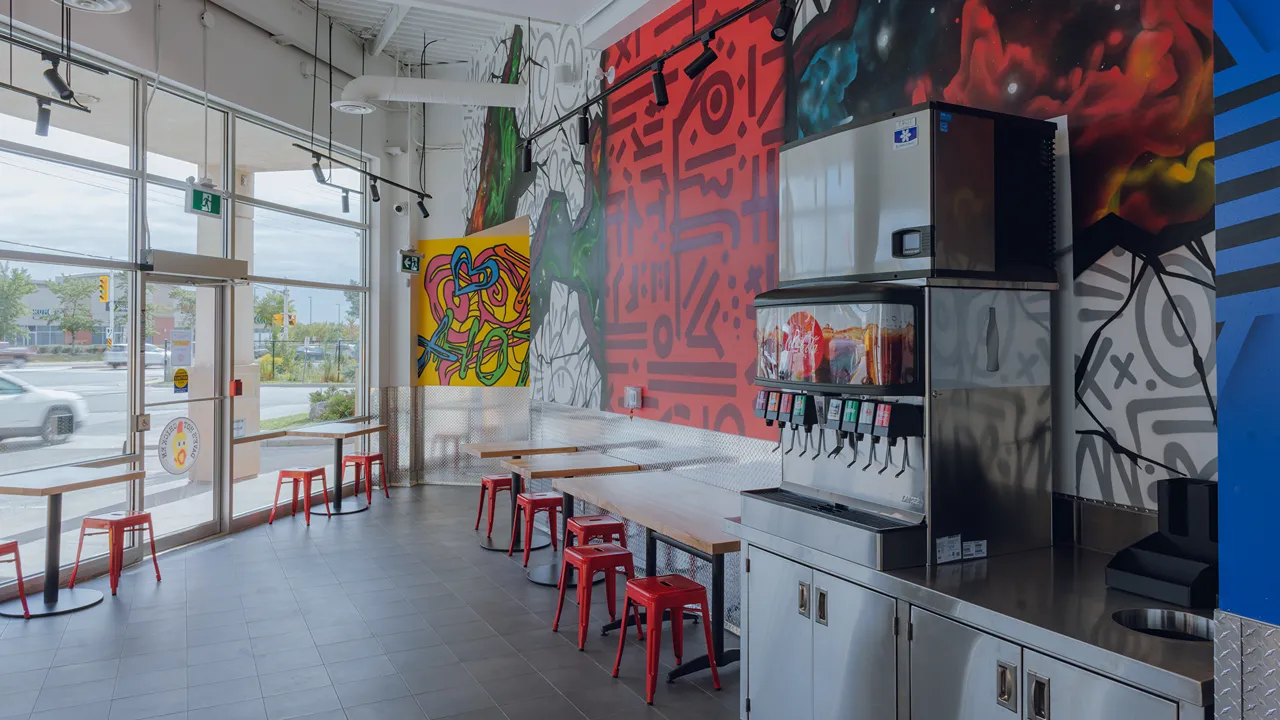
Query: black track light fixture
[
  {"x": 660, "y": 97},
  {"x": 527, "y": 164},
  {"x": 56, "y": 82},
  {"x": 422, "y": 207},
  {"x": 318, "y": 172},
  {"x": 346, "y": 202},
  {"x": 374, "y": 195},
  {"x": 584, "y": 127},
  {"x": 704, "y": 60},
  {"x": 43, "y": 115},
  {"x": 785, "y": 20}
]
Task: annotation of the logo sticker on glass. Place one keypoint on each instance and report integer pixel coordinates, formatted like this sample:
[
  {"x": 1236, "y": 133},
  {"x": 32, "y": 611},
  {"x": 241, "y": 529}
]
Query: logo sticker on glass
[{"x": 179, "y": 446}]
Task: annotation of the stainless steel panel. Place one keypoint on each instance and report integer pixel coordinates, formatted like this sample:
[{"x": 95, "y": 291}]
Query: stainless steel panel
[
  {"x": 1052, "y": 599},
  {"x": 870, "y": 479},
  {"x": 1228, "y": 687},
  {"x": 988, "y": 338},
  {"x": 964, "y": 193},
  {"x": 1260, "y": 669},
  {"x": 1054, "y": 690},
  {"x": 780, "y": 645},
  {"x": 956, "y": 671},
  {"x": 882, "y": 551},
  {"x": 991, "y": 469},
  {"x": 843, "y": 195},
  {"x": 854, "y": 677},
  {"x": 445, "y": 418}
]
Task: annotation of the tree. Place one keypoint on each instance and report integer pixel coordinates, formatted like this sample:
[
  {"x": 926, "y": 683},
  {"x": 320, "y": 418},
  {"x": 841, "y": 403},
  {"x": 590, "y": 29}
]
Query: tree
[
  {"x": 268, "y": 305},
  {"x": 184, "y": 300},
  {"x": 15, "y": 285},
  {"x": 74, "y": 295},
  {"x": 120, "y": 309}
]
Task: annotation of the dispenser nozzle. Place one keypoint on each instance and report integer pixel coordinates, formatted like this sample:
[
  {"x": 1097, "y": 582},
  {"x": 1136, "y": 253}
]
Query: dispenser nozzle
[
  {"x": 855, "y": 452},
  {"x": 888, "y": 458},
  {"x": 794, "y": 430},
  {"x": 906, "y": 461},
  {"x": 872, "y": 459}
]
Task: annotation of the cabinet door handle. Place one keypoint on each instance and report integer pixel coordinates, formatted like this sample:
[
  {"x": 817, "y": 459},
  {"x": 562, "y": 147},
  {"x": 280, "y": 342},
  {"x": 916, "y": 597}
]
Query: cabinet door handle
[
  {"x": 804, "y": 599},
  {"x": 822, "y": 606},
  {"x": 1038, "y": 706},
  {"x": 1007, "y": 685}
]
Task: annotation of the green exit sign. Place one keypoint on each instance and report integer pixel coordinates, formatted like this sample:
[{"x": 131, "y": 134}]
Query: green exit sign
[
  {"x": 410, "y": 262},
  {"x": 204, "y": 201}
]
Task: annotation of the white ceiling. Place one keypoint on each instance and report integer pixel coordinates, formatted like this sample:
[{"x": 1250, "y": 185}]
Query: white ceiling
[{"x": 460, "y": 29}]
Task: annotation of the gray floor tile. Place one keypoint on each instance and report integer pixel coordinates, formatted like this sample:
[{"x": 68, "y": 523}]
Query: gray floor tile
[
  {"x": 481, "y": 649},
  {"x": 600, "y": 702},
  {"x": 443, "y": 703},
  {"x": 223, "y": 693},
  {"x": 222, "y": 671},
  {"x": 422, "y": 658},
  {"x": 302, "y": 703},
  {"x": 544, "y": 708},
  {"x": 410, "y": 640},
  {"x": 520, "y": 687},
  {"x": 403, "y": 708},
  {"x": 18, "y": 704},
  {"x": 288, "y": 681},
  {"x": 79, "y": 694},
  {"x": 149, "y": 706},
  {"x": 94, "y": 711},
  {"x": 360, "y": 669},
  {"x": 75, "y": 674},
  {"x": 362, "y": 692},
  {"x": 150, "y": 682},
  {"x": 330, "y": 634},
  {"x": 243, "y": 710},
  {"x": 441, "y": 677}
]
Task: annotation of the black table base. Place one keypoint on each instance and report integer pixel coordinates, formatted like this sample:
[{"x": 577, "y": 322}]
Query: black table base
[
  {"x": 549, "y": 574},
  {"x": 67, "y": 601},
  {"x": 350, "y": 506}
]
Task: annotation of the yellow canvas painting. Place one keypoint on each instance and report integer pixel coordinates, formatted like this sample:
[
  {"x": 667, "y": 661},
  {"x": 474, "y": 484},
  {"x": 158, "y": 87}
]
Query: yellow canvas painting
[{"x": 471, "y": 312}]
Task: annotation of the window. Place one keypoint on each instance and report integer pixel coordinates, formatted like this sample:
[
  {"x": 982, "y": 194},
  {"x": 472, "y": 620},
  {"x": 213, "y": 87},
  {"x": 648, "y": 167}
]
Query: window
[
  {"x": 170, "y": 227},
  {"x": 49, "y": 207},
  {"x": 293, "y": 247},
  {"x": 175, "y": 126},
  {"x": 270, "y": 168},
  {"x": 104, "y": 134}
]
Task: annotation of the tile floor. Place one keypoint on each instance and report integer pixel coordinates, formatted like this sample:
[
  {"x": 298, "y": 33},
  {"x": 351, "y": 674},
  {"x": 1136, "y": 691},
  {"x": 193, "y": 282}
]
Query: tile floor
[{"x": 391, "y": 614}]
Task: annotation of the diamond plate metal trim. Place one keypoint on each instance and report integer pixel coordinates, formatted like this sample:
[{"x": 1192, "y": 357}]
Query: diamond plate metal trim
[
  {"x": 728, "y": 461},
  {"x": 1227, "y": 650},
  {"x": 1259, "y": 670}
]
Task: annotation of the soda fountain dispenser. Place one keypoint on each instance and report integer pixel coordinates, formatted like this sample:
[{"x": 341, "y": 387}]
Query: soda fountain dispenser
[{"x": 912, "y": 322}]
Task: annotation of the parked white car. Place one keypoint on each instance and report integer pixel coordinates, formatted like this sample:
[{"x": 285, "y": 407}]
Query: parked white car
[
  {"x": 29, "y": 411},
  {"x": 118, "y": 356}
]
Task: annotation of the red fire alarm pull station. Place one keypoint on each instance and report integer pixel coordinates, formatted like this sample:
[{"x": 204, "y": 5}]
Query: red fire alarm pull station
[{"x": 237, "y": 388}]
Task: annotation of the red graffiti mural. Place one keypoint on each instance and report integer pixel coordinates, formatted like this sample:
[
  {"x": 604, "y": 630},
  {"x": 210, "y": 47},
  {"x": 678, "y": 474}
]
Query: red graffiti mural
[{"x": 692, "y": 220}]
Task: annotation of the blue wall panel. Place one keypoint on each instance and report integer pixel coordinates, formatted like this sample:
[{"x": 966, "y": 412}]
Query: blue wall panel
[{"x": 1247, "y": 131}]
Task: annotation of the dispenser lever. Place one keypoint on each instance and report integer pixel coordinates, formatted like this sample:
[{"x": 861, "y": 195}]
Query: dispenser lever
[
  {"x": 822, "y": 441},
  {"x": 872, "y": 459},
  {"x": 855, "y": 452},
  {"x": 888, "y": 457},
  {"x": 906, "y": 458},
  {"x": 839, "y": 446},
  {"x": 793, "y": 441}
]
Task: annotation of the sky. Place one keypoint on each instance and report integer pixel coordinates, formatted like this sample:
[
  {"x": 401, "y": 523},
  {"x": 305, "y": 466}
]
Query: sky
[{"x": 52, "y": 208}]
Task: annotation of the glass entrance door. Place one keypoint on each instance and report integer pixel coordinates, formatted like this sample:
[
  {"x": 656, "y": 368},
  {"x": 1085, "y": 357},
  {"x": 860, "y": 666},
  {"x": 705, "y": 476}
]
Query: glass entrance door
[{"x": 183, "y": 367}]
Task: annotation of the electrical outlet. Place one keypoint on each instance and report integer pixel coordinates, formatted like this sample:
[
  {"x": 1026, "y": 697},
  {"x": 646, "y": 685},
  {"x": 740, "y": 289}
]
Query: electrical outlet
[
  {"x": 142, "y": 423},
  {"x": 633, "y": 398}
]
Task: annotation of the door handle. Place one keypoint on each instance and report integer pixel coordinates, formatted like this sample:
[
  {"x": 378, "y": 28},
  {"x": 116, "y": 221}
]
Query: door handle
[
  {"x": 822, "y": 606},
  {"x": 1038, "y": 704},
  {"x": 804, "y": 599},
  {"x": 1007, "y": 685}
]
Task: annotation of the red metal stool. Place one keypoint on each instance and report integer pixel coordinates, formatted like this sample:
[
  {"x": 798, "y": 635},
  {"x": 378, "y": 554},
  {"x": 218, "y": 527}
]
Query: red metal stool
[
  {"x": 658, "y": 595},
  {"x": 491, "y": 484},
  {"x": 11, "y": 548},
  {"x": 589, "y": 560},
  {"x": 114, "y": 526},
  {"x": 591, "y": 527},
  {"x": 305, "y": 476},
  {"x": 529, "y": 505},
  {"x": 365, "y": 461}
]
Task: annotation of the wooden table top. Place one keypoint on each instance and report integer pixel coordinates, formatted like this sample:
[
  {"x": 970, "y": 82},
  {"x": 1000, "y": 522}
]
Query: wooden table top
[
  {"x": 337, "y": 431},
  {"x": 514, "y": 448},
  {"x": 554, "y": 466},
  {"x": 55, "y": 481},
  {"x": 686, "y": 510}
]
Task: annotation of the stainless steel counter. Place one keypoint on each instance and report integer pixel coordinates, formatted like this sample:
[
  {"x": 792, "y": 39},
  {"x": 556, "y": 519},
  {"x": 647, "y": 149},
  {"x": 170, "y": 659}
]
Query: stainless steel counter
[{"x": 1052, "y": 600}]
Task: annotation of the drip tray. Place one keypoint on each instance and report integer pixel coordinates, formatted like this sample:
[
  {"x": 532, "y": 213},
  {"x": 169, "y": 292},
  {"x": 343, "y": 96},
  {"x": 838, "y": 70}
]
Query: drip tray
[
  {"x": 865, "y": 538},
  {"x": 835, "y": 511},
  {"x": 1167, "y": 624}
]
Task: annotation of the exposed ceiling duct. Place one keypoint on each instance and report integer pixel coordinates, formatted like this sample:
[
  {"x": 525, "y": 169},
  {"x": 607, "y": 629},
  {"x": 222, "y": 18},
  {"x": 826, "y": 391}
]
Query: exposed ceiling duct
[
  {"x": 103, "y": 7},
  {"x": 361, "y": 94}
]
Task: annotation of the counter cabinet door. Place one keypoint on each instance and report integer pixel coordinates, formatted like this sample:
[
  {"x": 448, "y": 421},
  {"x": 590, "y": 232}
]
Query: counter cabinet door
[
  {"x": 1054, "y": 690},
  {"x": 779, "y": 638},
  {"x": 855, "y": 674},
  {"x": 958, "y": 673}
]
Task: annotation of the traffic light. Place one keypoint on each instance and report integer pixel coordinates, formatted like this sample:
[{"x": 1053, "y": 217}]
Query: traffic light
[
  {"x": 277, "y": 320},
  {"x": 104, "y": 288},
  {"x": 293, "y": 319}
]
